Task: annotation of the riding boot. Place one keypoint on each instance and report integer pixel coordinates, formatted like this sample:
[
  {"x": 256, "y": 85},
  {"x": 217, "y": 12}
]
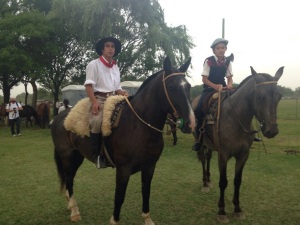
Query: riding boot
[
  {"x": 96, "y": 148},
  {"x": 198, "y": 143}
]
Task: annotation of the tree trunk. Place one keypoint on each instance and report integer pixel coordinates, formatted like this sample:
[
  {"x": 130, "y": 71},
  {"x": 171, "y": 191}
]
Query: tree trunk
[{"x": 34, "y": 94}]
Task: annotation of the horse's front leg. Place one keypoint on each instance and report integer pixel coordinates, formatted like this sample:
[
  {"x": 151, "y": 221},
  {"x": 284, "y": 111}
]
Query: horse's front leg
[
  {"x": 239, "y": 166},
  {"x": 202, "y": 157},
  {"x": 222, "y": 216},
  {"x": 208, "y": 158},
  {"x": 122, "y": 179},
  {"x": 174, "y": 137},
  {"x": 147, "y": 175}
]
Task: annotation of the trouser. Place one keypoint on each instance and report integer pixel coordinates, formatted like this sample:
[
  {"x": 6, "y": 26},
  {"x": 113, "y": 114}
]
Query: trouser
[
  {"x": 95, "y": 122},
  {"x": 199, "y": 113},
  {"x": 12, "y": 123}
]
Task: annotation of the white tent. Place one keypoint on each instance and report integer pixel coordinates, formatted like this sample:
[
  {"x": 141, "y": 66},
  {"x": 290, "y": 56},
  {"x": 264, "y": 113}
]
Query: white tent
[
  {"x": 73, "y": 93},
  {"x": 131, "y": 86}
]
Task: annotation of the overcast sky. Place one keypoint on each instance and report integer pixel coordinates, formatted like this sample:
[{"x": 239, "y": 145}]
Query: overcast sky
[{"x": 261, "y": 34}]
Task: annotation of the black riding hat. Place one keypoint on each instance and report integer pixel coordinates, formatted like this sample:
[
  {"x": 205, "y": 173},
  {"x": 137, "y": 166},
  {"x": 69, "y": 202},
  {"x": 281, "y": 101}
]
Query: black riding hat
[{"x": 100, "y": 45}]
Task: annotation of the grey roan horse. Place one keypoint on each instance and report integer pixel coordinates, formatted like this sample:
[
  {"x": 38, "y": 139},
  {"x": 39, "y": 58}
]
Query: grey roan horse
[
  {"x": 257, "y": 96},
  {"x": 134, "y": 146}
]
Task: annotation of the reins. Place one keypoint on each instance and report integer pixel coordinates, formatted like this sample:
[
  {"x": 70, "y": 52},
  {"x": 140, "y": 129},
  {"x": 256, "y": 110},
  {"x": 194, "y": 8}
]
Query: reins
[
  {"x": 168, "y": 98},
  {"x": 148, "y": 124}
]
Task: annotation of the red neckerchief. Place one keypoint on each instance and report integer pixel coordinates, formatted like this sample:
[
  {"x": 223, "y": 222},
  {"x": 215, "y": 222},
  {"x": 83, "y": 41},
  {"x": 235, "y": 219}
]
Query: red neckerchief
[{"x": 109, "y": 65}]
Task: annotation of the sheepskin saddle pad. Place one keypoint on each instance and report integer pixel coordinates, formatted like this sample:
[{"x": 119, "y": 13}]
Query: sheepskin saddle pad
[{"x": 77, "y": 120}]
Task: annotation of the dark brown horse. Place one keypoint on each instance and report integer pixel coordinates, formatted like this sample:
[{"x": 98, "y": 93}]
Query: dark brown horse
[
  {"x": 136, "y": 144},
  {"x": 43, "y": 113},
  {"x": 232, "y": 135},
  {"x": 29, "y": 113}
]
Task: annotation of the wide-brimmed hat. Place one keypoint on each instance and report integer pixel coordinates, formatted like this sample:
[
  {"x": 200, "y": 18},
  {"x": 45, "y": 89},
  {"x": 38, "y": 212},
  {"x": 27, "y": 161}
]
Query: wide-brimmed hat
[
  {"x": 218, "y": 41},
  {"x": 12, "y": 99},
  {"x": 100, "y": 45}
]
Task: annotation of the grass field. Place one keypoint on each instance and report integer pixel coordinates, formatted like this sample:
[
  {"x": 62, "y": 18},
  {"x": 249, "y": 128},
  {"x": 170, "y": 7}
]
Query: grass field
[{"x": 270, "y": 192}]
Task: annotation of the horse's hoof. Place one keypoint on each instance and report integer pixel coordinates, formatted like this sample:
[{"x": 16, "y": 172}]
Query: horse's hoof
[
  {"x": 205, "y": 189},
  {"x": 210, "y": 184},
  {"x": 222, "y": 218},
  {"x": 112, "y": 221},
  {"x": 239, "y": 215},
  {"x": 149, "y": 222},
  {"x": 147, "y": 218},
  {"x": 76, "y": 218}
]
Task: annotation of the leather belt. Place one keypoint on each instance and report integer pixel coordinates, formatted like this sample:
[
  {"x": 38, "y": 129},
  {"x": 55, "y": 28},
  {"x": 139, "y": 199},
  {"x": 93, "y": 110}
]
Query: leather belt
[{"x": 104, "y": 94}]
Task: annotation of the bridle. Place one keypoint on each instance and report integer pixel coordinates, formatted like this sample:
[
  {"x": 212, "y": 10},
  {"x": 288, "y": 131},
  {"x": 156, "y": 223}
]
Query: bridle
[
  {"x": 250, "y": 132},
  {"x": 175, "y": 113}
]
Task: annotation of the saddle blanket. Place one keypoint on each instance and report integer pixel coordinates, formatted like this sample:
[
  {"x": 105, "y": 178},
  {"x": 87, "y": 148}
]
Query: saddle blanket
[{"x": 77, "y": 120}]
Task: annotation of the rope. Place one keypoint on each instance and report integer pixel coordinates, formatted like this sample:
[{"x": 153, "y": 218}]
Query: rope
[
  {"x": 149, "y": 125},
  {"x": 168, "y": 98}
]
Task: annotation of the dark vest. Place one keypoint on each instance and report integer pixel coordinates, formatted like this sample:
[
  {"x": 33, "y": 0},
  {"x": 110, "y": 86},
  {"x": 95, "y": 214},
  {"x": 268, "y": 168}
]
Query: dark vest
[{"x": 217, "y": 72}]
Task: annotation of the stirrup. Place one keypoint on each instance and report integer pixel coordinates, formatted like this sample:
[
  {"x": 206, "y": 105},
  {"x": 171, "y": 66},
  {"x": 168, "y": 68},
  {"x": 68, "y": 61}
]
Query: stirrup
[{"x": 100, "y": 163}]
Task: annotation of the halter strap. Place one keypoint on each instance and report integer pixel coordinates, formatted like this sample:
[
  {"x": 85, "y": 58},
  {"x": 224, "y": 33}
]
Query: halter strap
[
  {"x": 167, "y": 95},
  {"x": 267, "y": 82}
]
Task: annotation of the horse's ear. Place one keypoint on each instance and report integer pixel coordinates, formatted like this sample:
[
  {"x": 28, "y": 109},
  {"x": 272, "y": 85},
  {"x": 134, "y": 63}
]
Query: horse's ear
[
  {"x": 253, "y": 72},
  {"x": 279, "y": 73},
  {"x": 167, "y": 64},
  {"x": 185, "y": 66}
]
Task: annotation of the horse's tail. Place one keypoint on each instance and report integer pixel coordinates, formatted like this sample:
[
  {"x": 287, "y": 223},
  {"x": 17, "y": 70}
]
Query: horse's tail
[{"x": 60, "y": 171}]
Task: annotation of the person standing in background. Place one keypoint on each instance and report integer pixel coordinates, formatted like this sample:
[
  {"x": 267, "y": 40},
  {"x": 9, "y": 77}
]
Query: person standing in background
[
  {"x": 13, "y": 108},
  {"x": 64, "y": 106}
]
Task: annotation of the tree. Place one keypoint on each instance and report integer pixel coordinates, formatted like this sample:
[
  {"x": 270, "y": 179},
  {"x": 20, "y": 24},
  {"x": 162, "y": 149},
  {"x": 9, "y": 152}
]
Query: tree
[
  {"x": 22, "y": 34},
  {"x": 286, "y": 92},
  {"x": 57, "y": 39},
  {"x": 140, "y": 26},
  {"x": 196, "y": 91},
  {"x": 297, "y": 92}
]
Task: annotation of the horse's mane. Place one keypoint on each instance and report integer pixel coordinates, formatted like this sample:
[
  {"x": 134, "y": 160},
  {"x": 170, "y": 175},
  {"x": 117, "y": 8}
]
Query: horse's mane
[
  {"x": 260, "y": 75},
  {"x": 147, "y": 81}
]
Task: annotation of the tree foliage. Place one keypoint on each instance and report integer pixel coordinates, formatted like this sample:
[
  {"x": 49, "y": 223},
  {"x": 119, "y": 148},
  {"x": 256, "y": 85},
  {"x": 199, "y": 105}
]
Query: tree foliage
[{"x": 51, "y": 41}]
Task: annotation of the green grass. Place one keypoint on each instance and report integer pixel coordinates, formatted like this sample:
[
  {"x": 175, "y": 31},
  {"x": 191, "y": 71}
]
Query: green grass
[{"x": 29, "y": 189}]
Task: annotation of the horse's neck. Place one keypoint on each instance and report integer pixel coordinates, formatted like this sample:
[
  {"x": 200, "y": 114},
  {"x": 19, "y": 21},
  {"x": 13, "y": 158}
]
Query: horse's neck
[
  {"x": 241, "y": 104},
  {"x": 147, "y": 104}
]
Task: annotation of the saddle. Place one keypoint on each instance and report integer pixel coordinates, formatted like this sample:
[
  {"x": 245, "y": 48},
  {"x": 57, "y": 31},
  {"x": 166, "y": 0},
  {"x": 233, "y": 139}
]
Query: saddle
[
  {"x": 210, "y": 104},
  {"x": 210, "y": 107},
  {"x": 77, "y": 121}
]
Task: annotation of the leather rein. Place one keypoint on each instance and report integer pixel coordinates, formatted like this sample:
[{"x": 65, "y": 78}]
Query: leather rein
[{"x": 175, "y": 113}]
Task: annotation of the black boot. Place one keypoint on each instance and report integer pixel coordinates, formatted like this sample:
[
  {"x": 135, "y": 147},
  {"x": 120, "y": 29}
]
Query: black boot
[
  {"x": 198, "y": 143},
  {"x": 96, "y": 148}
]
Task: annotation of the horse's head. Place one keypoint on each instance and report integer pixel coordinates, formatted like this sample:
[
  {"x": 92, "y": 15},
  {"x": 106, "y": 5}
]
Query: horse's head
[
  {"x": 177, "y": 91},
  {"x": 267, "y": 97}
]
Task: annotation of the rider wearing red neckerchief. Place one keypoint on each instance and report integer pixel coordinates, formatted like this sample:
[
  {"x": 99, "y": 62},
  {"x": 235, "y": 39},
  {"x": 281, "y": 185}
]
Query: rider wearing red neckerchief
[{"x": 102, "y": 80}]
